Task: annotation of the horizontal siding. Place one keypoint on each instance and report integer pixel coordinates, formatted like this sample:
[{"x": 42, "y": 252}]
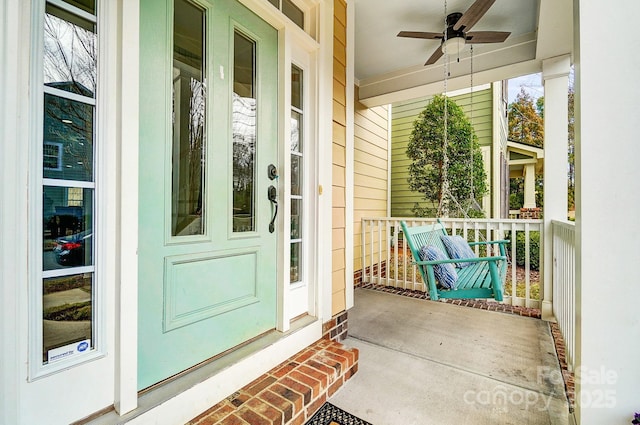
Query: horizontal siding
[
  {"x": 404, "y": 115},
  {"x": 338, "y": 259},
  {"x": 371, "y": 162}
]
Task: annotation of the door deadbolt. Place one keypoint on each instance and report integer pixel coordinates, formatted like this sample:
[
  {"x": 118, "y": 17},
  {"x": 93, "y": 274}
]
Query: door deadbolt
[{"x": 272, "y": 172}]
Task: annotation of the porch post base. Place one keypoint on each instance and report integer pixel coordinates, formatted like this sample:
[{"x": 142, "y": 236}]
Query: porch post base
[{"x": 547, "y": 312}]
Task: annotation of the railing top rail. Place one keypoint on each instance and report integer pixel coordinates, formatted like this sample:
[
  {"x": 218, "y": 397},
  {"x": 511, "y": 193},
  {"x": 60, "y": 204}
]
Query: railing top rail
[
  {"x": 564, "y": 223},
  {"x": 457, "y": 220}
]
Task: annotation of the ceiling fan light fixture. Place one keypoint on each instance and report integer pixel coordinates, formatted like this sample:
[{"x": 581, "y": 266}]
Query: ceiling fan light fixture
[{"x": 453, "y": 46}]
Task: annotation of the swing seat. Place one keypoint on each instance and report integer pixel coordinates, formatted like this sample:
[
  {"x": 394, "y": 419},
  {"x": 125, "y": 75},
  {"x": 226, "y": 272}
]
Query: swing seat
[{"x": 484, "y": 278}]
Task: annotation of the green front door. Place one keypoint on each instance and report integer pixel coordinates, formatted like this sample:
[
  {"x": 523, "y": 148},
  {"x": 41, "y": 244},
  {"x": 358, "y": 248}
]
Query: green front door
[{"x": 208, "y": 135}]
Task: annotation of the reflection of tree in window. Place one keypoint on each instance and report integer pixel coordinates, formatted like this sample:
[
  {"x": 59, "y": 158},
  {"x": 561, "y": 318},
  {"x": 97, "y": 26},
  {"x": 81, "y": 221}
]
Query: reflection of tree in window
[
  {"x": 244, "y": 132},
  {"x": 69, "y": 51},
  {"x": 189, "y": 110}
]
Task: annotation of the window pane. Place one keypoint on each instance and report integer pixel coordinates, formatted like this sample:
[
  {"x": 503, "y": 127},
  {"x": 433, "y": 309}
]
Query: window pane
[
  {"x": 67, "y": 316},
  {"x": 67, "y": 227},
  {"x": 296, "y": 219},
  {"x": 276, "y": 3},
  {"x": 189, "y": 104},
  {"x": 86, "y": 5},
  {"x": 296, "y": 175},
  {"x": 295, "y": 267},
  {"x": 293, "y": 12},
  {"x": 296, "y": 131},
  {"x": 244, "y": 133},
  {"x": 68, "y": 139},
  {"x": 296, "y": 87},
  {"x": 69, "y": 52}
]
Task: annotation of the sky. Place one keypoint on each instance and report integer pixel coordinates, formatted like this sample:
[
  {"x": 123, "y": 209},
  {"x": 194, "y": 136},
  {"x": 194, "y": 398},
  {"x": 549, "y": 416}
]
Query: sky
[{"x": 532, "y": 83}]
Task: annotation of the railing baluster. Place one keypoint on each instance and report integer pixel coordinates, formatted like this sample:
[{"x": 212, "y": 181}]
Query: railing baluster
[
  {"x": 387, "y": 260},
  {"x": 514, "y": 263},
  {"x": 363, "y": 251},
  {"x": 527, "y": 265},
  {"x": 371, "y": 252},
  {"x": 563, "y": 235}
]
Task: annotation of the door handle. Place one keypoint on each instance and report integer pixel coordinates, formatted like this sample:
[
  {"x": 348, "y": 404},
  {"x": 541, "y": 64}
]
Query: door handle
[{"x": 272, "y": 195}]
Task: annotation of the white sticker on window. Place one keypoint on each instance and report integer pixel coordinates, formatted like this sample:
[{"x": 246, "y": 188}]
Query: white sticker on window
[{"x": 68, "y": 350}]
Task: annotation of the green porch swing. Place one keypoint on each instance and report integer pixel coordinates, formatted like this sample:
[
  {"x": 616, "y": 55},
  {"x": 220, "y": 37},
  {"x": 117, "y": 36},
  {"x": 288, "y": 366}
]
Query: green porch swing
[{"x": 448, "y": 265}]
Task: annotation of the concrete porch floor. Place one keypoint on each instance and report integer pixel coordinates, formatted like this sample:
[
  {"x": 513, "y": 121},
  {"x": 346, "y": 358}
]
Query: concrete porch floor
[{"x": 425, "y": 362}]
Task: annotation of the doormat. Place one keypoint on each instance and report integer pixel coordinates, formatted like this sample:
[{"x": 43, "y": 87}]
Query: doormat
[{"x": 332, "y": 415}]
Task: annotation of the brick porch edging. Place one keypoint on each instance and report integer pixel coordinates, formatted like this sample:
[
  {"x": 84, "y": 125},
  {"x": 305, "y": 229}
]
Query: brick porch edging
[
  {"x": 290, "y": 393},
  {"x": 474, "y": 303}
]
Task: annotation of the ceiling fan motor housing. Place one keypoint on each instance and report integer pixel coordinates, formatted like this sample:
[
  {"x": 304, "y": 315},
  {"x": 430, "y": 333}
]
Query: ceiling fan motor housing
[{"x": 452, "y": 18}]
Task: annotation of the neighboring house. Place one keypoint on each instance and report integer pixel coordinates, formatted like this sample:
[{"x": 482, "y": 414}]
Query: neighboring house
[
  {"x": 526, "y": 162},
  {"x": 486, "y": 109}
]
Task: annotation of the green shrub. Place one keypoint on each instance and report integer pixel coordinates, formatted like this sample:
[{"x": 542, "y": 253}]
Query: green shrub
[
  {"x": 534, "y": 249},
  {"x": 69, "y": 312}
]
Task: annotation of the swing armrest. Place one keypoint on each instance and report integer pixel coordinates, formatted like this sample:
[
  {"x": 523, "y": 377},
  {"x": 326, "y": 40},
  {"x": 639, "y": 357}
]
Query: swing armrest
[
  {"x": 500, "y": 241},
  {"x": 460, "y": 260}
]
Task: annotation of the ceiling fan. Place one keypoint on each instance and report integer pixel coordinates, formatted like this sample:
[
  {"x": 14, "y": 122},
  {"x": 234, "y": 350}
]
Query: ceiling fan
[{"x": 457, "y": 35}]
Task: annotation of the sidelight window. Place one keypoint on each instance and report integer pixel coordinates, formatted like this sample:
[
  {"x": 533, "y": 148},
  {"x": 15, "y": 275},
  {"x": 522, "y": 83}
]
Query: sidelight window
[{"x": 69, "y": 74}]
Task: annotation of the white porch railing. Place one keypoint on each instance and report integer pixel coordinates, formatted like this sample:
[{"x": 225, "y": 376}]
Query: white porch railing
[
  {"x": 386, "y": 258},
  {"x": 564, "y": 284}
]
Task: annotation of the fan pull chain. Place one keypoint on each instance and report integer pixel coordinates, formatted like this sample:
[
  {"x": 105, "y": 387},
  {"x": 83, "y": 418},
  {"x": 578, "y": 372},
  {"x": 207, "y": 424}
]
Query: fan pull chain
[
  {"x": 442, "y": 207},
  {"x": 473, "y": 197}
]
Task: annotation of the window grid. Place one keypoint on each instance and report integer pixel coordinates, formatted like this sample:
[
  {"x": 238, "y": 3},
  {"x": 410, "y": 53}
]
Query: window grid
[
  {"x": 296, "y": 190},
  {"x": 68, "y": 209}
]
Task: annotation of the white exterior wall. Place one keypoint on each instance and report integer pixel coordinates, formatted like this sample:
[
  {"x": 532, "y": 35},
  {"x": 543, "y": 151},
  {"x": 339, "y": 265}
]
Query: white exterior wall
[{"x": 607, "y": 188}]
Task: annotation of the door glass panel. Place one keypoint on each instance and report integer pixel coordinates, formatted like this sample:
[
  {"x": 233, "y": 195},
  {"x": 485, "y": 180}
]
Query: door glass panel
[
  {"x": 67, "y": 313},
  {"x": 68, "y": 139},
  {"x": 69, "y": 52},
  {"x": 189, "y": 107},
  {"x": 67, "y": 227},
  {"x": 244, "y": 133}
]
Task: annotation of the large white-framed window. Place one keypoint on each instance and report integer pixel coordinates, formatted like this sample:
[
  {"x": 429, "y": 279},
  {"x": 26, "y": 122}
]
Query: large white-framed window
[{"x": 64, "y": 305}]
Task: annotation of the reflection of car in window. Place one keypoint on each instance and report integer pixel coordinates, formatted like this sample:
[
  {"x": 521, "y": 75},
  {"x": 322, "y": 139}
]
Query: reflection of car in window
[
  {"x": 62, "y": 225},
  {"x": 74, "y": 250}
]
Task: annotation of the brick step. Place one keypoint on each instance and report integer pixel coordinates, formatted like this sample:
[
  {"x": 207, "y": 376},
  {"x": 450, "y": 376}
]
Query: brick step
[{"x": 290, "y": 393}]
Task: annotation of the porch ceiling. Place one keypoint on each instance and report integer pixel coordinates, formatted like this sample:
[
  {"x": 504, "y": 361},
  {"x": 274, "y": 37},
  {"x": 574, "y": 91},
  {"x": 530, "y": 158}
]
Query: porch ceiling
[{"x": 390, "y": 69}]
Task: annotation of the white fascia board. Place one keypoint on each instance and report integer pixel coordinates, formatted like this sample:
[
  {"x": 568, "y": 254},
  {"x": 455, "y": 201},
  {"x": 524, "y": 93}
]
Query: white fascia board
[{"x": 537, "y": 153}]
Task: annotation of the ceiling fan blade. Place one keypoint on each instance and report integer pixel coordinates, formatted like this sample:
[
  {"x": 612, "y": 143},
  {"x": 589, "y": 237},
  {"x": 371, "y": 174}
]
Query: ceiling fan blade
[
  {"x": 473, "y": 14},
  {"x": 477, "y": 37},
  {"x": 434, "y": 57},
  {"x": 420, "y": 34}
]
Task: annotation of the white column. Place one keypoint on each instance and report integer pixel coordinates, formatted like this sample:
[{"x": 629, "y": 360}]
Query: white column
[
  {"x": 529, "y": 186},
  {"x": 14, "y": 167},
  {"x": 555, "y": 77},
  {"x": 607, "y": 193},
  {"x": 126, "y": 382}
]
